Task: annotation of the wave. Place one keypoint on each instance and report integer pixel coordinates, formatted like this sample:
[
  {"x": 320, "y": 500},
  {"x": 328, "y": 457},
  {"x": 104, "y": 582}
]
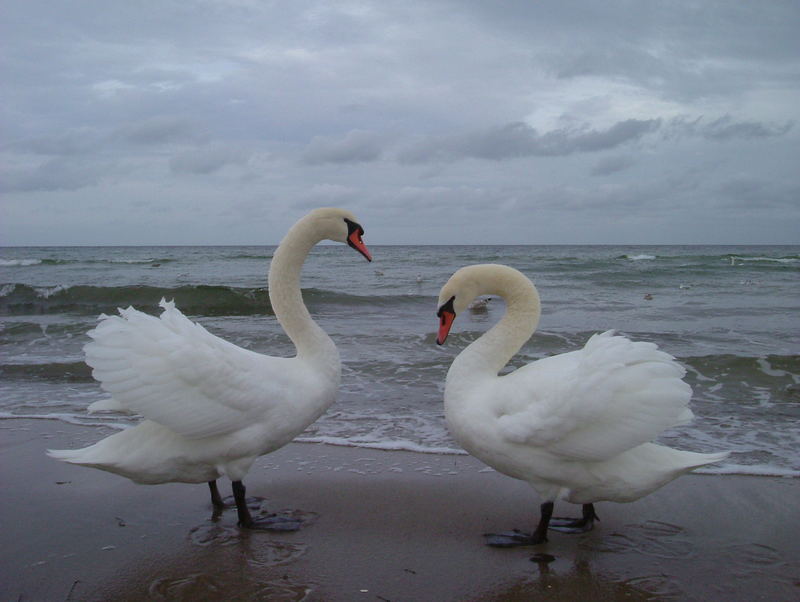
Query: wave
[
  {"x": 60, "y": 371},
  {"x": 67, "y": 418},
  {"x": 207, "y": 300},
  {"x": 390, "y": 444},
  {"x": 26, "y": 262},
  {"x": 19, "y": 262},
  {"x": 640, "y": 257},
  {"x": 785, "y": 260}
]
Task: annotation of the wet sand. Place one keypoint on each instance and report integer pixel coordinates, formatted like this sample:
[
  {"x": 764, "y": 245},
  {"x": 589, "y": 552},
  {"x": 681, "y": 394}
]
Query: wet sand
[{"x": 381, "y": 526}]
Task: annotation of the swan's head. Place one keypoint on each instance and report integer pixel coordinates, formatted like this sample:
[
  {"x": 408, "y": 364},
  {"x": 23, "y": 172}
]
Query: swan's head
[
  {"x": 484, "y": 279},
  {"x": 340, "y": 225},
  {"x": 455, "y": 297}
]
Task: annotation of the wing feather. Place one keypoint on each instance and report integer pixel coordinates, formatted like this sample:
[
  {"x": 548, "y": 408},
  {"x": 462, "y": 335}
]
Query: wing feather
[
  {"x": 597, "y": 402},
  {"x": 173, "y": 371}
]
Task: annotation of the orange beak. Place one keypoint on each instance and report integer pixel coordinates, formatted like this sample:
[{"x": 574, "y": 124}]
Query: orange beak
[
  {"x": 445, "y": 322},
  {"x": 446, "y": 315},
  {"x": 354, "y": 240}
]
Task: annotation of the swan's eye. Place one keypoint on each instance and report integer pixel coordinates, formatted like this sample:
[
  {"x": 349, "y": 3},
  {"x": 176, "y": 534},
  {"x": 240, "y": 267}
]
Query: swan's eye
[{"x": 446, "y": 308}]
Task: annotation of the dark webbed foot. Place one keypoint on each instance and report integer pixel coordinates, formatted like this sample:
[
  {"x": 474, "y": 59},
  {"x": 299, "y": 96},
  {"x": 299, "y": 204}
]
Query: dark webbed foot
[
  {"x": 512, "y": 539},
  {"x": 576, "y": 525},
  {"x": 272, "y": 523}
]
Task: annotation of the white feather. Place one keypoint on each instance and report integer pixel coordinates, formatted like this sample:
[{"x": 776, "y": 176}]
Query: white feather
[
  {"x": 211, "y": 407},
  {"x": 576, "y": 425}
]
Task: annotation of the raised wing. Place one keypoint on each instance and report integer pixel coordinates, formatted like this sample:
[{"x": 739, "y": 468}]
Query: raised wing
[
  {"x": 597, "y": 402},
  {"x": 173, "y": 371}
]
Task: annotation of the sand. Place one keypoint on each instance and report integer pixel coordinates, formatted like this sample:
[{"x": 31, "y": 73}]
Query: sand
[{"x": 381, "y": 526}]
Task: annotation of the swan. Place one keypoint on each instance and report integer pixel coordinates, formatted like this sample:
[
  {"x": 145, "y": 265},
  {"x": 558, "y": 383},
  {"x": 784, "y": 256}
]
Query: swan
[
  {"x": 211, "y": 408},
  {"x": 575, "y": 426}
]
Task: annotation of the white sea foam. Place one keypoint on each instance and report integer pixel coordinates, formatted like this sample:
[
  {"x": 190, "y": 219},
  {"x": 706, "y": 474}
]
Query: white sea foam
[
  {"x": 769, "y": 259},
  {"x": 388, "y": 445},
  {"x": 755, "y": 470},
  {"x": 640, "y": 257},
  {"x": 48, "y": 291},
  {"x": 19, "y": 262},
  {"x": 64, "y": 417},
  {"x": 131, "y": 261}
]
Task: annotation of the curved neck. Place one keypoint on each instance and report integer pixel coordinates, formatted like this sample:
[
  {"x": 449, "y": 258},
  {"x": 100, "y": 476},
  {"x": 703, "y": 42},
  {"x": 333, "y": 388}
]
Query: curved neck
[
  {"x": 492, "y": 351},
  {"x": 285, "y": 295}
]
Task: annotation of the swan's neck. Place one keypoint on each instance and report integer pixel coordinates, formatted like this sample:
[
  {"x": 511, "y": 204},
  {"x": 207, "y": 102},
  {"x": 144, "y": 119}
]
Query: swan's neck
[
  {"x": 311, "y": 341},
  {"x": 490, "y": 353}
]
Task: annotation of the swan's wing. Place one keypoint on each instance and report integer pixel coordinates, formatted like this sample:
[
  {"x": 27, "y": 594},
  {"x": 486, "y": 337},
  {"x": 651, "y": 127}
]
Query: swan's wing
[
  {"x": 173, "y": 371},
  {"x": 598, "y": 402}
]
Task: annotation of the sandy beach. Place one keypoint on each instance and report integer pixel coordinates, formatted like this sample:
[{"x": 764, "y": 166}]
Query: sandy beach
[{"x": 381, "y": 526}]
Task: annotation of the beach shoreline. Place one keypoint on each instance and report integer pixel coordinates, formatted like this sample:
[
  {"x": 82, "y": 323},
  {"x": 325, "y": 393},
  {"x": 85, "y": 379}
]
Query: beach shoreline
[{"x": 382, "y": 525}]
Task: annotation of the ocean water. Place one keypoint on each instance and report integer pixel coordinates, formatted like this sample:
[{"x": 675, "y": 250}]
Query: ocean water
[{"x": 729, "y": 314}]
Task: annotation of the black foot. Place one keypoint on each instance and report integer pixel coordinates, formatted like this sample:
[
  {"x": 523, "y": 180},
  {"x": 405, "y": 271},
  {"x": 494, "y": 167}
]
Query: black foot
[
  {"x": 272, "y": 523},
  {"x": 512, "y": 539},
  {"x": 576, "y": 525}
]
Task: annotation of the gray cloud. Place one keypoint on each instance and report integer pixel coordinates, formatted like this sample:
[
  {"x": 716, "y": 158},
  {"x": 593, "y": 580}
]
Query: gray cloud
[
  {"x": 608, "y": 165},
  {"x": 757, "y": 194},
  {"x": 52, "y": 175},
  {"x": 660, "y": 114},
  {"x": 208, "y": 159},
  {"x": 726, "y": 128},
  {"x": 355, "y": 147},
  {"x": 515, "y": 140},
  {"x": 159, "y": 129}
]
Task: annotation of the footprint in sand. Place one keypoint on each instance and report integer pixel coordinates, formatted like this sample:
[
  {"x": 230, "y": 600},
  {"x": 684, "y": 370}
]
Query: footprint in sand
[
  {"x": 753, "y": 555},
  {"x": 202, "y": 586},
  {"x": 260, "y": 552},
  {"x": 658, "y": 585},
  {"x": 653, "y": 538}
]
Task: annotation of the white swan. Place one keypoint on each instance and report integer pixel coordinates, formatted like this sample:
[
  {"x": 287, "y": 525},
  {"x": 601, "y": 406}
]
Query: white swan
[
  {"x": 210, "y": 407},
  {"x": 575, "y": 426}
]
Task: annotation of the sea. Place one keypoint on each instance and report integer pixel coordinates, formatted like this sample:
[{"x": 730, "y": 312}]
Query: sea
[{"x": 729, "y": 314}]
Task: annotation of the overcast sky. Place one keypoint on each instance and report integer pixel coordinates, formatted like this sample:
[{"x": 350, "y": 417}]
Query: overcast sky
[{"x": 436, "y": 122}]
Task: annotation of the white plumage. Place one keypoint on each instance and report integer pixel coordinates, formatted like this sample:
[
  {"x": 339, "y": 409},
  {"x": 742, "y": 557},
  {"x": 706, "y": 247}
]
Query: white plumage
[
  {"x": 576, "y": 426},
  {"x": 210, "y": 407}
]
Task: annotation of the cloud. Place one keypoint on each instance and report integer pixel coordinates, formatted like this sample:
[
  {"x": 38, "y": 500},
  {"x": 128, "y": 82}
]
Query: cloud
[
  {"x": 160, "y": 129},
  {"x": 725, "y": 128},
  {"x": 355, "y": 147},
  {"x": 54, "y": 174},
  {"x": 209, "y": 158},
  {"x": 398, "y": 109},
  {"x": 521, "y": 140},
  {"x": 758, "y": 194},
  {"x": 608, "y": 165}
]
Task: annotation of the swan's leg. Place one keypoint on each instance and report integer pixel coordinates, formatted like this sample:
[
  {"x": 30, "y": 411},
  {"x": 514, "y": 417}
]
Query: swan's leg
[
  {"x": 510, "y": 539},
  {"x": 216, "y": 499},
  {"x": 265, "y": 523},
  {"x": 576, "y": 525}
]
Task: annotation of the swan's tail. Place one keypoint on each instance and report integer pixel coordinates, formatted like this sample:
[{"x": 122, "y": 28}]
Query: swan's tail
[
  {"x": 703, "y": 459},
  {"x": 72, "y": 456}
]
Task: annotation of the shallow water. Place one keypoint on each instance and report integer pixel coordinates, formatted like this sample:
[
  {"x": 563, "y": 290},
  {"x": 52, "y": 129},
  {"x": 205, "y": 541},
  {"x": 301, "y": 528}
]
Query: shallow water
[{"x": 728, "y": 313}]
